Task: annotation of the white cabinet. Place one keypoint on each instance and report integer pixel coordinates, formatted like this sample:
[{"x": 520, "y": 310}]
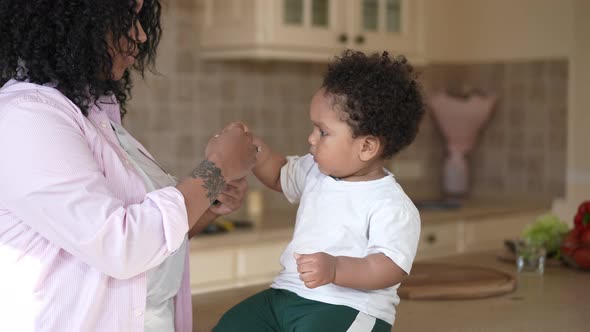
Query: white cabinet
[
  {"x": 237, "y": 260},
  {"x": 472, "y": 234},
  {"x": 309, "y": 30},
  {"x": 392, "y": 25},
  {"x": 485, "y": 234},
  {"x": 235, "y": 265},
  {"x": 440, "y": 240},
  {"x": 260, "y": 261},
  {"x": 212, "y": 267}
]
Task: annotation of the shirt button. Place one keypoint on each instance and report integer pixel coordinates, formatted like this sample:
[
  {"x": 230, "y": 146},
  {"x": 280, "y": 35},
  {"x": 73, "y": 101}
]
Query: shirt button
[
  {"x": 137, "y": 312},
  {"x": 103, "y": 124}
]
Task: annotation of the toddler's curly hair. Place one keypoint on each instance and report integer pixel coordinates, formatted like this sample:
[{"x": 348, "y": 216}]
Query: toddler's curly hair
[{"x": 380, "y": 96}]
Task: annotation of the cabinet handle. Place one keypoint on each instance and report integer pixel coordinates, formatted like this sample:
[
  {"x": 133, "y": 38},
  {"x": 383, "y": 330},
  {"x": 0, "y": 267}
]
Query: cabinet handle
[
  {"x": 430, "y": 238},
  {"x": 360, "y": 39},
  {"x": 343, "y": 38}
]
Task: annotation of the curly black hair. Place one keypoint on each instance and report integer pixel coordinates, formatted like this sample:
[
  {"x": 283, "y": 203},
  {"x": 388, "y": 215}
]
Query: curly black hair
[
  {"x": 65, "y": 42},
  {"x": 379, "y": 95}
]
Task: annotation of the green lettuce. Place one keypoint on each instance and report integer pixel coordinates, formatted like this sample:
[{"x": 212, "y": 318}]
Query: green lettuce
[{"x": 548, "y": 230}]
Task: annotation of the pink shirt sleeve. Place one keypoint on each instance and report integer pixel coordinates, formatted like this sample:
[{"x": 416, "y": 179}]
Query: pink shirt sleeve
[{"x": 51, "y": 181}]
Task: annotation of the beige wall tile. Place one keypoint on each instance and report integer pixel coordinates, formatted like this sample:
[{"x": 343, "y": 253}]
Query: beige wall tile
[{"x": 520, "y": 151}]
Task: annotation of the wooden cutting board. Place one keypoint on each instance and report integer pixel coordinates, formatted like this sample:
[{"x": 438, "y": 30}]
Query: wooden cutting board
[{"x": 438, "y": 281}]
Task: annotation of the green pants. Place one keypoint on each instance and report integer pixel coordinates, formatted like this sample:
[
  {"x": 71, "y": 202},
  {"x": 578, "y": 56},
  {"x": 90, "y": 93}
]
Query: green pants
[{"x": 279, "y": 310}]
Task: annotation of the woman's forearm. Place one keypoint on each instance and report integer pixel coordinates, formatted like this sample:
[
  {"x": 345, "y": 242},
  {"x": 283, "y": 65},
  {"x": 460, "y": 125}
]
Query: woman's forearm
[
  {"x": 202, "y": 223},
  {"x": 201, "y": 189}
]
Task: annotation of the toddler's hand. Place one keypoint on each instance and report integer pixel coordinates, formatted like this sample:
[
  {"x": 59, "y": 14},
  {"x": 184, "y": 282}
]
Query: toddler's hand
[{"x": 316, "y": 269}]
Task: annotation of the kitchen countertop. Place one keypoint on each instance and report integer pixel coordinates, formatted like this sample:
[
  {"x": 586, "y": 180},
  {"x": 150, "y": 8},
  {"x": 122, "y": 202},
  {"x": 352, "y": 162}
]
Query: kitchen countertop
[
  {"x": 278, "y": 224},
  {"x": 482, "y": 208},
  {"x": 557, "y": 301}
]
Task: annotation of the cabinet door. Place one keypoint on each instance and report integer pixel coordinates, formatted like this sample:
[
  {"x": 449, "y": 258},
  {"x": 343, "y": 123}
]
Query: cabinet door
[
  {"x": 259, "y": 262},
  {"x": 386, "y": 25},
  {"x": 228, "y": 24},
  {"x": 439, "y": 240},
  {"x": 211, "y": 268},
  {"x": 310, "y": 30},
  {"x": 490, "y": 233},
  {"x": 308, "y": 24}
]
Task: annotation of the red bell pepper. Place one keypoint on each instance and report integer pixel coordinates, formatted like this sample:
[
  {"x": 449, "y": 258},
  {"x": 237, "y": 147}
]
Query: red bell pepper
[{"x": 582, "y": 218}]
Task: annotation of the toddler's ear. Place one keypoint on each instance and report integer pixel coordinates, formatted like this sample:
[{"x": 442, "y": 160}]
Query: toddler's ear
[{"x": 370, "y": 147}]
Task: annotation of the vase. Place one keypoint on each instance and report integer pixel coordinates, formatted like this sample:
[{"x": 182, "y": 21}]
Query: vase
[{"x": 460, "y": 120}]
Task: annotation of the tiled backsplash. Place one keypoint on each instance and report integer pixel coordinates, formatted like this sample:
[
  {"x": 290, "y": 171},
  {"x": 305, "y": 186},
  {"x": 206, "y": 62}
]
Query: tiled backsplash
[{"x": 521, "y": 151}]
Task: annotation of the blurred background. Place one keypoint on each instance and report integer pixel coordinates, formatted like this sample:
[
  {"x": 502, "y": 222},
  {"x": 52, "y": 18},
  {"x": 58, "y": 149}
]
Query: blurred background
[{"x": 260, "y": 61}]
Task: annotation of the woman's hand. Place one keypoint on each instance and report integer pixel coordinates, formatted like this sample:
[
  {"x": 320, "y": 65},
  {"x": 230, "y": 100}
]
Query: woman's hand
[
  {"x": 232, "y": 151},
  {"x": 231, "y": 198},
  {"x": 230, "y": 156},
  {"x": 227, "y": 202}
]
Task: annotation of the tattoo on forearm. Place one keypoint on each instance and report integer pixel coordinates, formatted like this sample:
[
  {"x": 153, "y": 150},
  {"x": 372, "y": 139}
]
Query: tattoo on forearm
[{"x": 212, "y": 179}]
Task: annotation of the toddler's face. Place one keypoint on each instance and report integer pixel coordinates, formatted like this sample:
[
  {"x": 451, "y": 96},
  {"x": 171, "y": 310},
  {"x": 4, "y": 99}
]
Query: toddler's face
[{"x": 331, "y": 142}]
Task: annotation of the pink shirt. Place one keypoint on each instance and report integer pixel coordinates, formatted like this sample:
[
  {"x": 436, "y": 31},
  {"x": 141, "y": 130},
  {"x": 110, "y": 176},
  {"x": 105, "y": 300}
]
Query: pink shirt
[{"x": 77, "y": 229}]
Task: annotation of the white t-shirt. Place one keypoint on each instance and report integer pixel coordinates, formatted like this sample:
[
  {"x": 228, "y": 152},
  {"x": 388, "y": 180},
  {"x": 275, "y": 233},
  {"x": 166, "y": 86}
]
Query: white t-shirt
[{"x": 352, "y": 219}]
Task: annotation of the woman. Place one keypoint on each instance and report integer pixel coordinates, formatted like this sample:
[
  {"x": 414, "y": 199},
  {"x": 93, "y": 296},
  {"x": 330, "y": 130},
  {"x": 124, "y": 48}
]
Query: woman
[{"x": 93, "y": 233}]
